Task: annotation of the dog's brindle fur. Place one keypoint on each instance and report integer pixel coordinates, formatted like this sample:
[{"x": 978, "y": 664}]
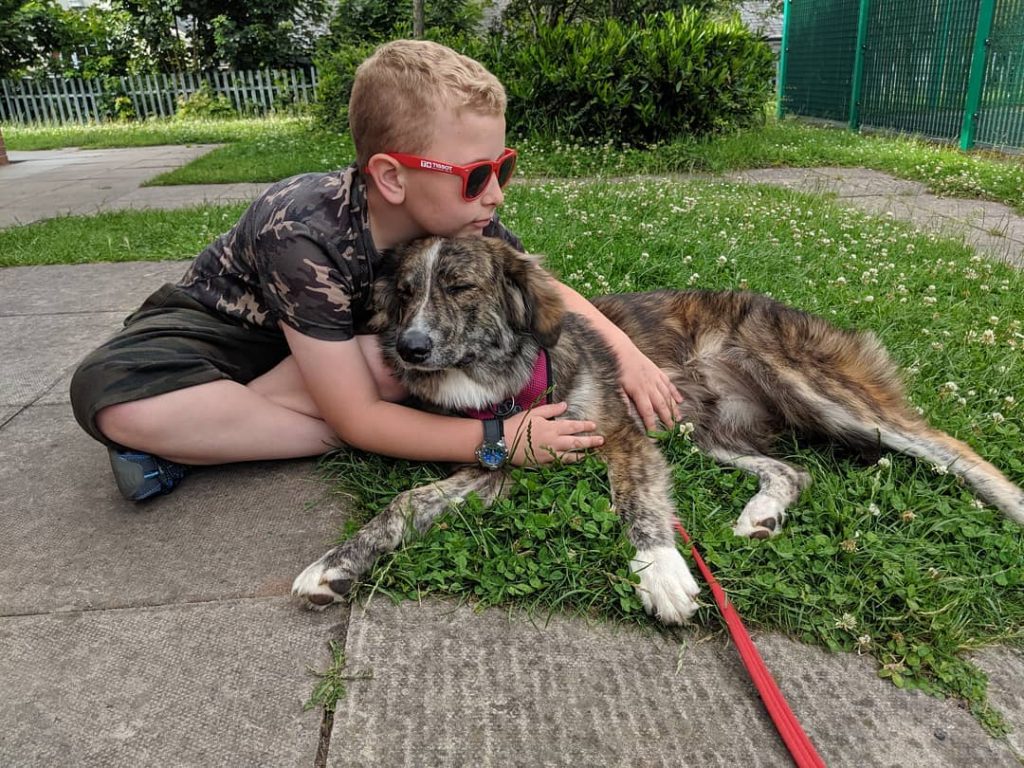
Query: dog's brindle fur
[{"x": 472, "y": 313}]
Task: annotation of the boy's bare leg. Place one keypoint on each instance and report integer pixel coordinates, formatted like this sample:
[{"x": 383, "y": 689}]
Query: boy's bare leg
[{"x": 272, "y": 417}]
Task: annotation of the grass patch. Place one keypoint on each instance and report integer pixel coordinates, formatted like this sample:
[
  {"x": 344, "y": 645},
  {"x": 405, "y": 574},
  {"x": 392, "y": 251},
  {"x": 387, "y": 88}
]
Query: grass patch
[
  {"x": 944, "y": 170},
  {"x": 275, "y": 148},
  {"x": 146, "y": 133},
  {"x": 895, "y": 559},
  {"x": 149, "y": 235},
  {"x": 330, "y": 686}
]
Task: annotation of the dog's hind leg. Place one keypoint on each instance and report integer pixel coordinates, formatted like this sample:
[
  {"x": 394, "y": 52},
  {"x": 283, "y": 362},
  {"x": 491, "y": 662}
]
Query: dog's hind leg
[
  {"x": 641, "y": 492},
  {"x": 780, "y": 484},
  {"x": 409, "y": 514}
]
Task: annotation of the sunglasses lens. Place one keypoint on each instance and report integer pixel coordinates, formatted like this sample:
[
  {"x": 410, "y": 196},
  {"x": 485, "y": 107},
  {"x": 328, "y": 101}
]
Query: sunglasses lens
[
  {"x": 506, "y": 169},
  {"x": 477, "y": 181}
]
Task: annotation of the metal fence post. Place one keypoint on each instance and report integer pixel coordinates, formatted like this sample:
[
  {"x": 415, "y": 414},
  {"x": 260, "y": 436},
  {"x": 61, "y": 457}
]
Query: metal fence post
[
  {"x": 780, "y": 81},
  {"x": 976, "y": 83},
  {"x": 856, "y": 87}
]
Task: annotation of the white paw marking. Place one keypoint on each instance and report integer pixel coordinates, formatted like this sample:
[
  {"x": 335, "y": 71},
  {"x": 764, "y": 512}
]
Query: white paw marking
[
  {"x": 312, "y": 584},
  {"x": 760, "y": 508},
  {"x": 667, "y": 588}
]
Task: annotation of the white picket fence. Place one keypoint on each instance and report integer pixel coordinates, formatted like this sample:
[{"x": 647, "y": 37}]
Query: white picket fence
[{"x": 77, "y": 100}]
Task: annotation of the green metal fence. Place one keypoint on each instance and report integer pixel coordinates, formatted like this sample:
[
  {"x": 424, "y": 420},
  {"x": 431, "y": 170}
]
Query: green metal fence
[{"x": 946, "y": 69}]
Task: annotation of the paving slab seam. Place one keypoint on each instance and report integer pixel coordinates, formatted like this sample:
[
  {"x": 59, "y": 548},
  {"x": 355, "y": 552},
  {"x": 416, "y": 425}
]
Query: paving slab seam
[
  {"x": 21, "y": 408},
  {"x": 147, "y": 606}
]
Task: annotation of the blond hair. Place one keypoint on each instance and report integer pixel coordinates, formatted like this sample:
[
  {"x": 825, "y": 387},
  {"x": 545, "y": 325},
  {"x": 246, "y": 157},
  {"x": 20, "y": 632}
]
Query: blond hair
[{"x": 400, "y": 89}]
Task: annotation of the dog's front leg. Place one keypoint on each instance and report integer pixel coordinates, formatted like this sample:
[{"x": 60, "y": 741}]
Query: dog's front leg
[
  {"x": 641, "y": 491},
  {"x": 409, "y": 514}
]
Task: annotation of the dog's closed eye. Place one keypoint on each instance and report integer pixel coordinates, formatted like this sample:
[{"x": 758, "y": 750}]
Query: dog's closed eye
[{"x": 457, "y": 288}]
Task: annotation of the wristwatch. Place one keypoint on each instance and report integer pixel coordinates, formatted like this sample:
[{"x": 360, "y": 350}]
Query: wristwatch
[{"x": 492, "y": 453}]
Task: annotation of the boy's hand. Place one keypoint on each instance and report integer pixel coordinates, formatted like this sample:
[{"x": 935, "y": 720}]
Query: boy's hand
[
  {"x": 536, "y": 437},
  {"x": 649, "y": 387}
]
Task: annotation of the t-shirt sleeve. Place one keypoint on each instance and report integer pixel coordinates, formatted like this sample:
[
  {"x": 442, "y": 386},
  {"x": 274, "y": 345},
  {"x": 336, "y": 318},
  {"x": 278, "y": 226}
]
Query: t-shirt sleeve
[{"x": 303, "y": 285}]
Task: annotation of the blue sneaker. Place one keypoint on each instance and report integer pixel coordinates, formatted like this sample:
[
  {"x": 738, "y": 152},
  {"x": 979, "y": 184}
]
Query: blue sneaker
[{"x": 141, "y": 475}]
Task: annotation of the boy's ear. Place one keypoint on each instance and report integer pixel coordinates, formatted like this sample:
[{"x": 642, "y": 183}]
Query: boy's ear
[
  {"x": 534, "y": 304},
  {"x": 387, "y": 175}
]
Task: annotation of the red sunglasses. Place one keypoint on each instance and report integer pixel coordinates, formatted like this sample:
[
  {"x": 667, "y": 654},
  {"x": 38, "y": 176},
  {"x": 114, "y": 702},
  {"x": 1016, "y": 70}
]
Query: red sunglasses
[{"x": 475, "y": 176}]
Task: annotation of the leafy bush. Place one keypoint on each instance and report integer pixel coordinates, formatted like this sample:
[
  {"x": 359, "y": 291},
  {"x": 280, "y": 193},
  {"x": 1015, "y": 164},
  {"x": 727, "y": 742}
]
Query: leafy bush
[
  {"x": 336, "y": 71},
  {"x": 668, "y": 75},
  {"x": 204, "y": 103}
]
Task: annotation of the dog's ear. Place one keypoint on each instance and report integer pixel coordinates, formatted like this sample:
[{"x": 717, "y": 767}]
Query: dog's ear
[
  {"x": 533, "y": 301},
  {"x": 384, "y": 295}
]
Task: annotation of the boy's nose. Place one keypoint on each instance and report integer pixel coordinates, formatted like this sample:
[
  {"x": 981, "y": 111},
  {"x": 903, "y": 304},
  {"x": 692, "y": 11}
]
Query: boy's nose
[{"x": 493, "y": 193}]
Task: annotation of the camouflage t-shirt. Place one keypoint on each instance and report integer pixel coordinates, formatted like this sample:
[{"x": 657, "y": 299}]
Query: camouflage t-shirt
[{"x": 301, "y": 254}]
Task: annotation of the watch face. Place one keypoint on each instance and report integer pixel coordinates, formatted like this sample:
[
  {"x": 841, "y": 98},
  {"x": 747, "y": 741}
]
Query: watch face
[{"x": 492, "y": 455}]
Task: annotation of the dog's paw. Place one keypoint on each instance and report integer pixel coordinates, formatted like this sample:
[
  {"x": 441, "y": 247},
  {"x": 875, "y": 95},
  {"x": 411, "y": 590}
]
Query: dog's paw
[
  {"x": 667, "y": 588},
  {"x": 321, "y": 584},
  {"x": 761, "y": 519}
]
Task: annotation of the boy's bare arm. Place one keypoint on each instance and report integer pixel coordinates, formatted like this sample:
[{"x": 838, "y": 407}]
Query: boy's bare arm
[
  {"x": 342, "y": 386},
  {"x": 650, "y": 389}
]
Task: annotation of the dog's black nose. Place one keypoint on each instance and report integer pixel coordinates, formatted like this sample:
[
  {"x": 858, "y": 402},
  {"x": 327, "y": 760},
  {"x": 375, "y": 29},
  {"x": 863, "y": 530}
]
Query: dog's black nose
[{"x": 414, "y": 346}]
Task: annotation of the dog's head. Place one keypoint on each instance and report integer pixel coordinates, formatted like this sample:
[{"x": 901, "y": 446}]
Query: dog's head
[{"x": 451, "y": 303}]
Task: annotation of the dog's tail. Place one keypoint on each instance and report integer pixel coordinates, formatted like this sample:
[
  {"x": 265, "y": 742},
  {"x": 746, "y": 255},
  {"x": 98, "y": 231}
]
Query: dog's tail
[{"x": 858, "y": 398}]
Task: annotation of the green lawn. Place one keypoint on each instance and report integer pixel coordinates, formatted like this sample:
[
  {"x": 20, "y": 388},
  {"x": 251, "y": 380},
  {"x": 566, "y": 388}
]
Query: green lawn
[
  {"x": 268, "y": 150},
  {"x": 895, "y": 559}
]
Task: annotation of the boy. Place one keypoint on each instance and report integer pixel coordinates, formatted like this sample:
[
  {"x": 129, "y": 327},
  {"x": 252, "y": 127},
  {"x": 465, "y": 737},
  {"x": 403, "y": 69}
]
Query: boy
[{"x": 260, "y": 351}]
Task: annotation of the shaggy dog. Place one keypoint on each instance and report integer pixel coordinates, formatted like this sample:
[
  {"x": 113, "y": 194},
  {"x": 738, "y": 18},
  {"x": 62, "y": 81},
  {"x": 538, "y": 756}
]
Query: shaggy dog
[{"x": 463, "y": 323}]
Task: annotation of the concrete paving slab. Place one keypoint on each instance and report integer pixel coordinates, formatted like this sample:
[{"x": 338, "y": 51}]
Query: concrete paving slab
[
  {"x": 69, "y": 541},
  {"x": 1005, "y": 670},
  {"x": 73, "y": 288},
  {"x": 191, "y": 685},
  {"x": 452, "y": 687},
  {"x": 83, "y": 180},
  {"x": 39, "y": 354}
]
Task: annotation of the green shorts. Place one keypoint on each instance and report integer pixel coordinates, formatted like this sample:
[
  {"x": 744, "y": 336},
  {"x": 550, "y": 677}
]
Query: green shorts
[{"x": 170, "y": 343}]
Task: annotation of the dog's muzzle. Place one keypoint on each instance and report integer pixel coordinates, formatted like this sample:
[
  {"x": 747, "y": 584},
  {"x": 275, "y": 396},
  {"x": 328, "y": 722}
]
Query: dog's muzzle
[{"x": 414, "y": 346}]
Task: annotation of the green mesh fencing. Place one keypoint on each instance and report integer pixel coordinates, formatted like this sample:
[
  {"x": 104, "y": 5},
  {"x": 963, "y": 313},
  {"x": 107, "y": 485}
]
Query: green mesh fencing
[
  {"x": 1001, "y": 117},
  {"x": 821, "y": 38},
  {"x": 915, "y": 66}
]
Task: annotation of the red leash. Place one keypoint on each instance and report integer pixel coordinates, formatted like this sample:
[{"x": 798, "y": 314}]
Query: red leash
[{"x": 798, "y": 743}]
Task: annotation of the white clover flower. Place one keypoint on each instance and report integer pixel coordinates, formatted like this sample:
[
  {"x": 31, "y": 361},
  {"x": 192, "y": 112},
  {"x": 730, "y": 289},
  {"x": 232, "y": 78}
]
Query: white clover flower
[
  {"x": 930, "y": 300},
  {"x": 988, "y": 337},
  {"x": 869, "y": 298},
  {"x": 949, "y": 386},
  {"x": 840, "y": 280},
  {"x": 847, "y": 621},
  {"x": 1009, "y": 400},
  {"x": 940, "y": 469},
  {"x": 686, "y": 429},
  {"x": 993, "y": 320},
  {"x": 997, "y": 417},
  {"x": 977, "y": 503},
  {"x": 885, "y": 462},
  {"x": 874, "y": 510}
]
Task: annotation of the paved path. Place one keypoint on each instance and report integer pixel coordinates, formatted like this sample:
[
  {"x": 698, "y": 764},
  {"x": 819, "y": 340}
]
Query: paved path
[
  {"x": 163, "y": 634},
  {"x": 992, "y": 228}
]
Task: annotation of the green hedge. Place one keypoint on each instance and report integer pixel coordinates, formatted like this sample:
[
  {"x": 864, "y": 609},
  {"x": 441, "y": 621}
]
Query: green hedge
[
  {"x": 672, "y": 74},
  {"x": 667, "y": 75}
]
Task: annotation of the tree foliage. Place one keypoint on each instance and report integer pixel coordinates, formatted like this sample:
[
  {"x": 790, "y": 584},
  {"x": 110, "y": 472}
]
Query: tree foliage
[
  {"x": 244, "y": 34},
  {"x": 537, "y": 15}
]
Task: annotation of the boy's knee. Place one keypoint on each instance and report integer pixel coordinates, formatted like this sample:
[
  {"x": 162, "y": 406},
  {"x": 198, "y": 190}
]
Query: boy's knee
[{"x": 123, "y": 423}]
